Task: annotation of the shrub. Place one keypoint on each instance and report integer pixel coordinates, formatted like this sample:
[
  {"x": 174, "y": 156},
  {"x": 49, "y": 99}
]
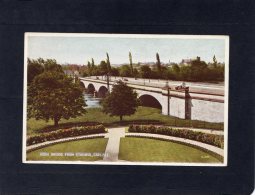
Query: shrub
[
  {"x": 63, "y": 133},
  {"x": 215, "y": 140},
  {"x": 66, "y": 126}
]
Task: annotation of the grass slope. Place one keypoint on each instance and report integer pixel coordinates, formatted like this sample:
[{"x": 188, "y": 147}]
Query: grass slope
[
  {"x": 149, "y": 150},
  {"x": 97, "y": 145},
  {"x": 144, "y": 114}
]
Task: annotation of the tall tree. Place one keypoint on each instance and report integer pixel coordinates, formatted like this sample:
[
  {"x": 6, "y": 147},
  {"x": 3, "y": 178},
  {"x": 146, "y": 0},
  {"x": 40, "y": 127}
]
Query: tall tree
[
  {"x": 34, "y": 68},
  {"x": 158, "y": 63},
  {"x": 108, "y": 63},
  {"x": 131, "y": 63},
  {"x": 92, "y": 67},
  {"x": 214, "y": 62},
  {"x": 121, "y": 101},
  {"x": 92, "y": 63},
  {"x": 53, "y": 95},
  {"x": 89, "y": 68}
]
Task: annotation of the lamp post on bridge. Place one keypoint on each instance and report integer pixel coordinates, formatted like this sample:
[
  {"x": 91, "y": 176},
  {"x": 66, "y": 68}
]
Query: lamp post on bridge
[
  {"x": 168, "y": 94},
  {"x": 107, "y": 80}
]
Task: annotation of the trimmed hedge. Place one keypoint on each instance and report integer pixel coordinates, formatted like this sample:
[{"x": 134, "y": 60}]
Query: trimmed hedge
[
  {"x": 66, "y": 126},
  {"x": 63, "y": 133},
  {"x": 215, "y": 140}
]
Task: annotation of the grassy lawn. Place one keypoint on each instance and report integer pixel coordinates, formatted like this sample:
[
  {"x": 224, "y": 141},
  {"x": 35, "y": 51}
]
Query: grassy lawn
[
  {"x": 88, "y": 146},
  {"x": 143, "y": 114},
  {"x": 149, "y": 150}
]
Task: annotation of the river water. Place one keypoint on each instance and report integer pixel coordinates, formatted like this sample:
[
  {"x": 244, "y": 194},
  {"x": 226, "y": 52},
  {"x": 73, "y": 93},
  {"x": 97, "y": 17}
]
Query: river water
[{"x": 91, "y": 101}]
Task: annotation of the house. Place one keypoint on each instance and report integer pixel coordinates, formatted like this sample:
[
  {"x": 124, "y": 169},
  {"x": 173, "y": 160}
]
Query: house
[{"x": 189, "y": 61}]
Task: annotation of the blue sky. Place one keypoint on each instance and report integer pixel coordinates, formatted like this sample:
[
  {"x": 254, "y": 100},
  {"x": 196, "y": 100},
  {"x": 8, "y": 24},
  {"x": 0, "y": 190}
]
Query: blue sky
[{"x": 78, "y": 50}]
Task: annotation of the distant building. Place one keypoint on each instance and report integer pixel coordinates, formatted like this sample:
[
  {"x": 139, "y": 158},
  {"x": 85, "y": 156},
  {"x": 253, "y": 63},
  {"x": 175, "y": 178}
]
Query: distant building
[
  {"x": 71, "y": 73},
  {"x": 76, "y": 73},
  {"x": 189, "y": 61}
]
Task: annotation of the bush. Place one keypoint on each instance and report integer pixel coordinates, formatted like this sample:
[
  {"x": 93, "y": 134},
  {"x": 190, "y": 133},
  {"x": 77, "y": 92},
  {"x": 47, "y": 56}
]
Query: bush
[
  {"x": 63, "y": 133},
  {"x": 215, "y": 140},
  {"x": 67, "y": 125}
]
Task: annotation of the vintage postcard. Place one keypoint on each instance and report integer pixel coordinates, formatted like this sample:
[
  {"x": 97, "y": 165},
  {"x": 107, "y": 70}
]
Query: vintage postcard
[{"x": 125, "y": 99}]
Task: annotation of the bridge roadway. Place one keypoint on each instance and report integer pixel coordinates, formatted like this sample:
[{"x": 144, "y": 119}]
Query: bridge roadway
[{"x": 194, "y": 87}]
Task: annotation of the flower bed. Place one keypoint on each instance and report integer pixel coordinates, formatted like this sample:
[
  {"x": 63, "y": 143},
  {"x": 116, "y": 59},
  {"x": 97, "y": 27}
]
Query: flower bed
[
  {"x": 215, "y": 140},
  {"x": 63, "y": 133}
]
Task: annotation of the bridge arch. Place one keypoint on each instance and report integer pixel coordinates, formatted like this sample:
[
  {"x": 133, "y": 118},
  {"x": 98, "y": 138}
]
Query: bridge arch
[
  {"x": 82, "y": 84},
  {"x": 91, "y": 88},
  {"x": 150, "y": 101},
  {"x": 102, "y": 91}
]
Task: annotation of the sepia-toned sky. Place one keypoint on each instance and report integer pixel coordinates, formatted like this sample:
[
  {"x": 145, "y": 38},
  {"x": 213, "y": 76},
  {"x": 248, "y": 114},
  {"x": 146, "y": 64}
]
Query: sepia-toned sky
[{"x": 78, "y": 50}]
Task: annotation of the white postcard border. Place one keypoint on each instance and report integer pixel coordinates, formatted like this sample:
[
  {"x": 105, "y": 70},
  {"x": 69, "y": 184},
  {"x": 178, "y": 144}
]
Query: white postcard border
[{"x": 149, "y": 36}]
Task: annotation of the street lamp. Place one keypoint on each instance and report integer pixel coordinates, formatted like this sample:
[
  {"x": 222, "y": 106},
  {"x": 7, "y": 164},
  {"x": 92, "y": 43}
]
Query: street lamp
[
  {"x": 108, "y": 84},
  {"x": 168, "y": 94}
]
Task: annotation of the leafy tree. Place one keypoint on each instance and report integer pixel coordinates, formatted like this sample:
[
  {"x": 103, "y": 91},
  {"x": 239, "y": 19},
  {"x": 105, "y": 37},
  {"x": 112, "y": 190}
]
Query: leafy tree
[
  {"x": 51, "y": 65},
  {"x": 131, "y": 63},
  {"x": 114, "y": 71},
  {"x": 103, "y": 69},
  {"x": 198, "y": 70},
  {"x": 176, "y": 69},
  {"x": 96, "y": 71},
  {"x": 135, "y": 73},
  {"x": 92, "y": 63},
  {"x": 84, "y": 74},
  {"x": 121, "y": 101},
  {"x": 145, "y": 72},
  {"x": 185, "y": 73},
  {"x": 125, "y": 71},
  {"x": 215, "y": 61},
  {"x": 89, "y": 68},
  {"x": 53, "y": 95},
  {"x": 154, "y": 74},
  {"x": 164, "y": 73},
  {"x": 34, "y": 68}
]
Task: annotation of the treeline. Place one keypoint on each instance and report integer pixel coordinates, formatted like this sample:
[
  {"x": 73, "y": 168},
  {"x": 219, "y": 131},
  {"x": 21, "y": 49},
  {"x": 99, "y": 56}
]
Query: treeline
[{"x": 194, "y": 70}]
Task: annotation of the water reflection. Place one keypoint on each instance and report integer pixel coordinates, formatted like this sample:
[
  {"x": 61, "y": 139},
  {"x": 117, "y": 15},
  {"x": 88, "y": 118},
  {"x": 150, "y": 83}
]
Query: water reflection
[{"x": 91, "y": 101}]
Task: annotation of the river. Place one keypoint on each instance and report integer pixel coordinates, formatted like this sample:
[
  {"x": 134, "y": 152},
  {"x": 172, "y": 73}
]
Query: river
[{"x": 91, "y": 101}]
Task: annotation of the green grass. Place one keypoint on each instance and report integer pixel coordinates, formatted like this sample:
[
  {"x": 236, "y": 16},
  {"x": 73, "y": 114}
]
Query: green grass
[
  {"x": 91, "y": 146},
  {"x": 145, "y": 115},
  {"x": 150, "y": 150}
]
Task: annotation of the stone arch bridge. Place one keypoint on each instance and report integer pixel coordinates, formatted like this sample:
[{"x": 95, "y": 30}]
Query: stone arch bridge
[{"x": 197, "y": 103}]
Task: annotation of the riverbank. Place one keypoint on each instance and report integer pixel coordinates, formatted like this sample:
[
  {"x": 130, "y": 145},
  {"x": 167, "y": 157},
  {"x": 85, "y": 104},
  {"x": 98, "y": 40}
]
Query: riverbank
[{"x": 144, "y": 115}]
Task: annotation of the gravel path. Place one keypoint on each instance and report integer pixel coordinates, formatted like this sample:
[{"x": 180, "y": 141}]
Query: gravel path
[{"x": 112, "y": 148}]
